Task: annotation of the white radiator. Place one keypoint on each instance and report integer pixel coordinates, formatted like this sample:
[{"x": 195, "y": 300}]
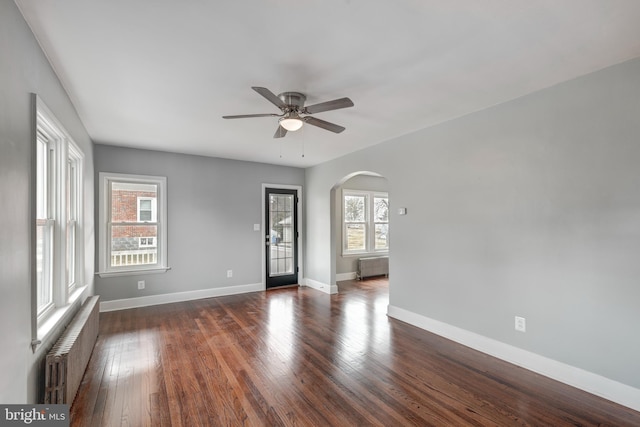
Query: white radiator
[
  {"x": 66, "y": 362},
  {"x": 373, "y": 266}
]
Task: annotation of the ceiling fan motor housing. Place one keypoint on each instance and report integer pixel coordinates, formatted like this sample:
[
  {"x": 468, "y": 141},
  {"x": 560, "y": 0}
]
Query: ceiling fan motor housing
[{"x": 293, "y": 99}]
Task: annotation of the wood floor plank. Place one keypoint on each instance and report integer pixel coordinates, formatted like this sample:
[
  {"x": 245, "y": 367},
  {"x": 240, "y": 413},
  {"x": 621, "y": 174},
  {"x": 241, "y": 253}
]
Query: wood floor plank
[{"x": 298, "y": 357}]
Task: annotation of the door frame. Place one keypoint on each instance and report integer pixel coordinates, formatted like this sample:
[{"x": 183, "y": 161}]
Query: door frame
[{"x": 299, "y": 240}]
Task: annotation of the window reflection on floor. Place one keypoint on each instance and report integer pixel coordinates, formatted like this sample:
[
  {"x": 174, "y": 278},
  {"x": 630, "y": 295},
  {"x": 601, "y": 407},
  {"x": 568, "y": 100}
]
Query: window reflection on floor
[
  {"x": 364, "y": 330},
  {"x": 281, "y": 337}
]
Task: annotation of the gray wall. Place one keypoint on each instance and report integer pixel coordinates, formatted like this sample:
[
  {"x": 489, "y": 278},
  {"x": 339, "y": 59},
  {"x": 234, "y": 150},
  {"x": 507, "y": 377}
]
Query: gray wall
[
  {"x": 529, "y": 208},
  {"x": 349, "y": 263},
  {"x": 212, "y": 206},
  {"x": 25, "y": 70}
]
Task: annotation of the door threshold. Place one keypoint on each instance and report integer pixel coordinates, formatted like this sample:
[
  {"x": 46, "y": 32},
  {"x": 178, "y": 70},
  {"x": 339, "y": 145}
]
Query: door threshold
[{"x": 297, "y": 285}]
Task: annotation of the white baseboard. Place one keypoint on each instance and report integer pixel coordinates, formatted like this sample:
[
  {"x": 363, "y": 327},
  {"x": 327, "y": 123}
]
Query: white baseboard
[
  {"x": 122, "y": 304},
  {"x": 346, "y": 276},
  {"x": 333, "y": 289},
  {"x": 575, "y": 377}
]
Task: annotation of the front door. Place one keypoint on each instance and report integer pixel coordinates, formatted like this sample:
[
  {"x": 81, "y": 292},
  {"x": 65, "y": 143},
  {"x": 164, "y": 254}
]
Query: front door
[{"x": 281, "y": 237}]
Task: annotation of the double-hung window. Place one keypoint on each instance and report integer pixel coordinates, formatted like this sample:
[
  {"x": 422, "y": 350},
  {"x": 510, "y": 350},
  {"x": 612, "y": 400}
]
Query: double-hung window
[
  {"x": 365, "y": 222},
  {"x": 74, "y": 256},
  {"x": 47, "y": 142},
  {"x": 58, "y": 216},
  {"x": 133, "y": 224}
]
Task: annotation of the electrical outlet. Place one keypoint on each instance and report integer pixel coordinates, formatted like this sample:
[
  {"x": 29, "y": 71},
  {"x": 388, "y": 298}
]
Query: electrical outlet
[
  {"x": 140, "y": 284},
  {"x": 229, "y": 273},
  {"x": 256, "y": 227},
  {"x": 521, "y": 324}
]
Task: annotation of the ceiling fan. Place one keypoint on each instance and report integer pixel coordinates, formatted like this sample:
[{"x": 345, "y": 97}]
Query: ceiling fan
[{"x": 294, "y": 113}]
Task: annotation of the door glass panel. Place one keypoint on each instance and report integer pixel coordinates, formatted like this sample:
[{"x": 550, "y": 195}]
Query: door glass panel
[{"x": 281, "y": 242}]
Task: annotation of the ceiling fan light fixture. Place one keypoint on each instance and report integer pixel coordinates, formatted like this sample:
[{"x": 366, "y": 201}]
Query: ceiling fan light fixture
[{"x": 291, "y": 122}]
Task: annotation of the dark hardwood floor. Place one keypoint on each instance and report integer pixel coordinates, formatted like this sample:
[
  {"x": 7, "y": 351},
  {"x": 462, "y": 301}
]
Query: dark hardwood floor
[{"x": 299, "y": 357}]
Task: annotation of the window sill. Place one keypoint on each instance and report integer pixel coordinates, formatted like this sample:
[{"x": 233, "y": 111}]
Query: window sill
[
  {"x": 57, "y": 317},
  {"x": 159, "y": 270}
]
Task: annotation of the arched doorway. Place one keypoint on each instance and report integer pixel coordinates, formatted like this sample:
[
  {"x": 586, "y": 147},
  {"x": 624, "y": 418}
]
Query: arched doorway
[{"x": 359, "y": 222}]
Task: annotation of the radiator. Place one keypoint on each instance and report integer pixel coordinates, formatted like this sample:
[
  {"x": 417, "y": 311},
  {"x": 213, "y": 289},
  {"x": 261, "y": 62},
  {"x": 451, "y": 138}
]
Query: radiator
[
  {"x": 66, "y": 362},
  {"x": 373, "y": 266}
]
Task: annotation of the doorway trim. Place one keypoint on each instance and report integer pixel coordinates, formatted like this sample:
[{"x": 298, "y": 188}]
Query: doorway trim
[{"x": 301, "y": 229}]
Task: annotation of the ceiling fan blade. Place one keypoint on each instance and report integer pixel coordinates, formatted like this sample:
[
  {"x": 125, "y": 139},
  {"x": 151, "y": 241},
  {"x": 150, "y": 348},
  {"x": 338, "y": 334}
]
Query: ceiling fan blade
[
  {"x": 280, "y": 132},
  {"x": 336, "y": 104},
  {"x": 271, "y": 97},
  {"x": 246, "y": 116},
  {"x": 324, "y": 124}
]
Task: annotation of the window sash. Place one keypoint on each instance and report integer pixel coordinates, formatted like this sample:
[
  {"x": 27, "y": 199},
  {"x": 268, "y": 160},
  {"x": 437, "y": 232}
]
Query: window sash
[
  {"x": 356, "y": 236},
  {"x": 127, "y": 255},
  {"x": 45, "y": 221},
  {"x": 44, "y": 265},
  {"x": 381, "y": 225},
  {"x": 73, "y": 197}
]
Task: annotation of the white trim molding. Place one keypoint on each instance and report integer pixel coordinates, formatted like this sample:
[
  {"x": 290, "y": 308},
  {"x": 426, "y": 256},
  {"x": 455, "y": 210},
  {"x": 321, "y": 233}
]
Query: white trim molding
[
  {"x": 123, "y": 304},
  {"x": 333, "y": 289},
  {"x": 567, "y": 374},
  {"x": 346, "y": 276}
]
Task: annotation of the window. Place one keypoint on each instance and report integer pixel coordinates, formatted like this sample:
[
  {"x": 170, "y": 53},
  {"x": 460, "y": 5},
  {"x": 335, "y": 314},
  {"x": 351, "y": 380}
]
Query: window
[
  {"x": 381, "y": 222},
  {"x": 147, "y": 242},
  {"x": 58, "y": 215},
  {"x": 132, "y": 224},
  {"x": 45, "y": 216},
  {"x": 73, "y": 185},
  {"x": 365, "y": 222},
  {"x": 147, "y": 209},
  {"x": 355, "y": 223}
]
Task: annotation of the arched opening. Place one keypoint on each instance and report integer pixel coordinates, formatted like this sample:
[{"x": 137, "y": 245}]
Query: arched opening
[{"x": 361, "y": 237}]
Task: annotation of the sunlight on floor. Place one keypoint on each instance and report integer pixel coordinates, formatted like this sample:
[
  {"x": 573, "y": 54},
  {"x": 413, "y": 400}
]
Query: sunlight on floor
[{"x": 281, "y": 338}]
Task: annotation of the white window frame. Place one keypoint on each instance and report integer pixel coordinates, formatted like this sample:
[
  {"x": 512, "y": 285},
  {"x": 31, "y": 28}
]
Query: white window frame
[
  {"x": 61, "y": 150},
  {"x": 364, "y": 222},
  {"x": 369, "y": 222},
  {"x": 154, "y": 213},
  {"x": 373, "y": 196},
  {"x": 104, "y": 215},
  {"x": 74, "y": 216},
  {"x": 49, "y": 141},
  {"x": 146, "y": 244}
]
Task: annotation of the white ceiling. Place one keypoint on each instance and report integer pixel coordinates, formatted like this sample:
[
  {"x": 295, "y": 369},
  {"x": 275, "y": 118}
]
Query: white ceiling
[{"x": 159, "y": 74}]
